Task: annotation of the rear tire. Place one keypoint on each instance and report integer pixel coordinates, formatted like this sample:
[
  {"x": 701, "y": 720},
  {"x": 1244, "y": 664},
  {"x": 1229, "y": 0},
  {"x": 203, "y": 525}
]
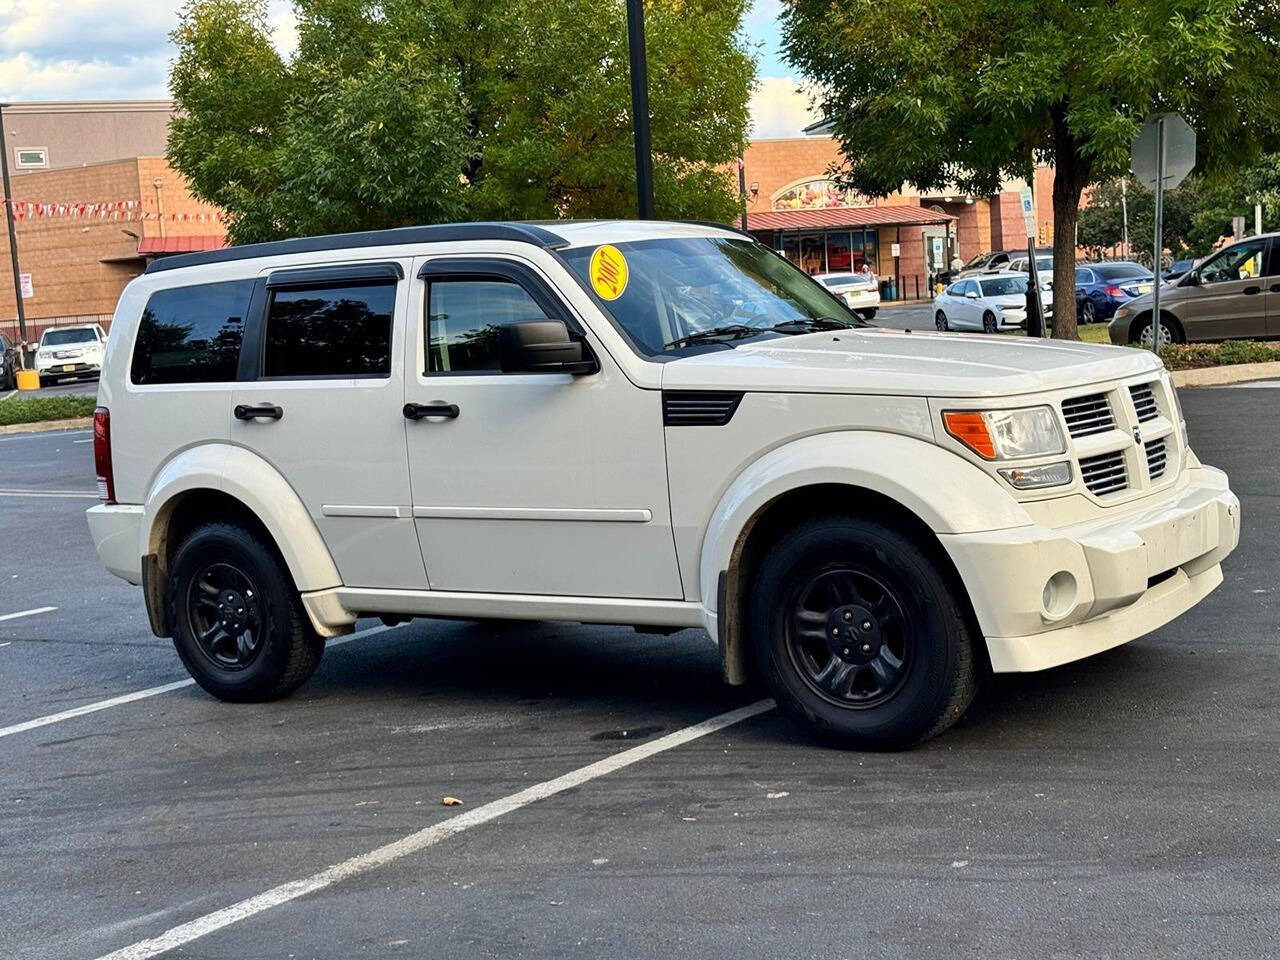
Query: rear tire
[
  {"x": 869, "y": 314},
  {"x": 901, "y": 667},
  {"x": 1088, "y": 312},
  {"x": 238, "y": 622}
]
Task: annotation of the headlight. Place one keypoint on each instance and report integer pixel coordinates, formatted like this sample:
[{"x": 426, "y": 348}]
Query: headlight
[
  {"x": 1007, "y": 434},
  {"x": 1122, "y": 312}
]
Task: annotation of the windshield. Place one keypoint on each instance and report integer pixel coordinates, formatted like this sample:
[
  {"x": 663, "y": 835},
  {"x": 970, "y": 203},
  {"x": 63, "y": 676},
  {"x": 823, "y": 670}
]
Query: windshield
[
  {"x": 1121, "y": 271},
  {"x": 682, "y": 293},
  {"x": 1004, "y": 286},
  {"x": 58, "y": 338}
]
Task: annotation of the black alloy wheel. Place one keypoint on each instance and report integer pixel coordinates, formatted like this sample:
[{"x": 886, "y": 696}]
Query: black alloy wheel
[
  {"x": 226, "y": 615},
  {"x": 940, "y": 320},
  {"x": 989, "y": 322},
  {"x": 849, "y": 637}
]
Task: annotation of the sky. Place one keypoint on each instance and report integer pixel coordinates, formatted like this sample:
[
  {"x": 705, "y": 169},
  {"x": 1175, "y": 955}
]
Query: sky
[{"x": 117, "y": 49}]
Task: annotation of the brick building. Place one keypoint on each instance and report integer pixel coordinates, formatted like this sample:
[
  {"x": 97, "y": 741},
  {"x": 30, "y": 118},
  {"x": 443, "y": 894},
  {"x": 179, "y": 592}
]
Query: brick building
[
  {"x": 794, "y": 207},
  {"x": 93, "y": 199}
]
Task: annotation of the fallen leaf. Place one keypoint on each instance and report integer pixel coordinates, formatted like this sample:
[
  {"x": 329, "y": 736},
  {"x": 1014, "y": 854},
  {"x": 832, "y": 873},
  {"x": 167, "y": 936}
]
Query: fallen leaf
[
  {"x": 959, "y": 863},
  {"x": 451, "y": 802},
  {"x": 777, "y": 796}
]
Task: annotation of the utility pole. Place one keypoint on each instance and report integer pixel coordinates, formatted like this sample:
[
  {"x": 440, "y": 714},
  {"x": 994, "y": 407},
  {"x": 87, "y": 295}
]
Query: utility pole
[
  {"x": 742, "y": 190},
  {"x": 13, "y": 235},
  {"x": 1124, "y": 213},
  {"x": 1156, "y": 322},
  {"x": 640, "y": 108}
]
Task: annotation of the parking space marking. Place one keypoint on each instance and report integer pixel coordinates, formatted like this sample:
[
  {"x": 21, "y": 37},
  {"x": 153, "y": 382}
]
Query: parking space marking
[
  {"x": 184, "y": 933},
  {"x": 148, "y": 692},
  {"x": 63, "y": 494},
  {"x": 27, "y": 613}
]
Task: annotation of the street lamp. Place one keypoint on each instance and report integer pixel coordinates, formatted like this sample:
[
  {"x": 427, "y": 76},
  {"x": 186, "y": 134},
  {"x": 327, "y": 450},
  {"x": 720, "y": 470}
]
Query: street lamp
[{"x": 640, "y": 108}]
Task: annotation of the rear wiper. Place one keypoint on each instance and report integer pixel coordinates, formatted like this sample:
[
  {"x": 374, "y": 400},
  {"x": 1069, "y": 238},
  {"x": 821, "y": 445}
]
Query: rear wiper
[
  {"x": 811, "y": 325},
  {"x": 730, "y": 331}
]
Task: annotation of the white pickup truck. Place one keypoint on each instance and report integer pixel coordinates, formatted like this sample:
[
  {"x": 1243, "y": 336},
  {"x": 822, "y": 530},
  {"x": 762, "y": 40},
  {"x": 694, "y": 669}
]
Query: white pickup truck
[{"x": 657, "y": 424}]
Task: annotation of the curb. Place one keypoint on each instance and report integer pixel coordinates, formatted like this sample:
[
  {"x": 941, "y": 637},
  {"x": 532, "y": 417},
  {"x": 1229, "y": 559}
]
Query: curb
[
  {"x": 75, "y": 423},
  {"x": 1222, "y": 376}
]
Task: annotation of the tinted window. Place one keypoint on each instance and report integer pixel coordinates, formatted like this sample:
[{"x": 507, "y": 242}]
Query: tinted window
[
  {"x": 463, "y": 317},
  {"x": 330, "y": 331},
  {"x": 57, "y": 338},
  {"x": 1121, "y": 271},
  {"x": 191, "y": 334},
  {"x": 1083, "y": 276}
]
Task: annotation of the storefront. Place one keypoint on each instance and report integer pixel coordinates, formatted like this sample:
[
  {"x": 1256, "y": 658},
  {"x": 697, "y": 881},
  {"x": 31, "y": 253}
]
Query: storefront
[{"x": 894, "y": 240}]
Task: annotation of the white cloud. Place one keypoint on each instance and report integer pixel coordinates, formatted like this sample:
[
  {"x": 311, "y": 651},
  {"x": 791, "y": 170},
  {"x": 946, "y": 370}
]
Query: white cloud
[
  {"x": 100, "y": 49},
  {"x": 780, "y": 108}
]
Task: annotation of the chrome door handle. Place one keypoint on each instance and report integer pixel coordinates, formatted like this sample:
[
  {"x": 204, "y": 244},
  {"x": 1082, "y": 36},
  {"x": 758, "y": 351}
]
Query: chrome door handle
[
  {"x": 262, "y": 411},
  {"x": 438, "y": 408}
]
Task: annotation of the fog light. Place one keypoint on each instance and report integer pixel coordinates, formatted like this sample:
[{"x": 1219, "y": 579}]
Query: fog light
[
  {"x": 1033, "y": 478},
  {"x": 1059, "y": 595}
]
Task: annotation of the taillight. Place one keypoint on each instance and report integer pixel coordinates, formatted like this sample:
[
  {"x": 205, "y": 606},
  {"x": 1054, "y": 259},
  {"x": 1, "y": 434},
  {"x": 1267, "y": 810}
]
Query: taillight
[
  {"x": 1114, "y": 292},
  {"x": 102, "y": 454}
]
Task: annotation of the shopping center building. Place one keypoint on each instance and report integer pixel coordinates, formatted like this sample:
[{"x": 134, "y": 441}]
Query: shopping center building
[
  {"x": 93, "y": 200},
  {"x": 793, "y": 205}
]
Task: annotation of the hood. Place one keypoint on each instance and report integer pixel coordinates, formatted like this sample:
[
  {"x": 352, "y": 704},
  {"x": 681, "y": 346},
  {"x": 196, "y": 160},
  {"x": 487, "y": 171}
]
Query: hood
[{"x": 880, "y": 361}]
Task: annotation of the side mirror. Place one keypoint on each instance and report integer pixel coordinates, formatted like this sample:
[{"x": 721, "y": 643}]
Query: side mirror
[
  {"x": 542, "y": 346},
  {"x": 971, "y": 294},
  {"x": 1189, "y": 279}
]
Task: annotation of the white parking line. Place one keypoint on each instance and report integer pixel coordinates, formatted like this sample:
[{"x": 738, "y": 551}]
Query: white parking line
[
  {"x": 27, "y": 613},
  {"x": 194, "y": 929},
  {"x": 144, "y": 694},
  {"x": 57, "y": 494},
  {"x": 87, "y": 440}
]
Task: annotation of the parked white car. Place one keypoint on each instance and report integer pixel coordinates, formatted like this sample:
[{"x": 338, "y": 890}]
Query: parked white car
[
  {"x": 658, "y": 424},
  {"x": 1044, "y": 269},
  {"x": 70, "y": 352},
  {"x": 989, "y": 303},
  {"x": 860, "y": 291}
]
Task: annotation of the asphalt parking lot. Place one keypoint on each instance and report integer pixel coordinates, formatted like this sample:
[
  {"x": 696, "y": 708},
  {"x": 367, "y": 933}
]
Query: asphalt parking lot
[{"x": 1125, "y": 806}]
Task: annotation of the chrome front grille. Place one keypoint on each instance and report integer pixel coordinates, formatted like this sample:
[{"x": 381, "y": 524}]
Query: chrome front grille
[
  {"x": 1104, "y": 473},
  {"x": 1157, "y": 458},
  {"x": 1088, "y": 415},
  {"x": 1144, "y": 402}
]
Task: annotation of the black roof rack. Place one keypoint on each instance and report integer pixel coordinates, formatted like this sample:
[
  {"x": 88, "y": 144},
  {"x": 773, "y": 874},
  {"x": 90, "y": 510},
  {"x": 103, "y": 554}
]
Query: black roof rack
[{"x": 445, "y": 232}]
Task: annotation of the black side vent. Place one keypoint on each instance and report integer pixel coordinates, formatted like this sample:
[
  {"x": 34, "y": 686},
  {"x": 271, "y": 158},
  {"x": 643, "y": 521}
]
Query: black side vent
[{"x": 681, "y": 408}]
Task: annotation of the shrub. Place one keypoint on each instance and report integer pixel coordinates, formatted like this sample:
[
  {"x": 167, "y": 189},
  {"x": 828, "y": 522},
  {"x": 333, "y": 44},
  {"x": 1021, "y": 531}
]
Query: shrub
[
  {"x": 19, "y": 409},
  {"x": 1193, "y": 356}
]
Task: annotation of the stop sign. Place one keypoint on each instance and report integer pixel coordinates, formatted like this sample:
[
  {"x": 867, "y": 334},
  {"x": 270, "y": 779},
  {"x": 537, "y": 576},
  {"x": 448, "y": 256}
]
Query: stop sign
[{"x": 1179, "y": 143}]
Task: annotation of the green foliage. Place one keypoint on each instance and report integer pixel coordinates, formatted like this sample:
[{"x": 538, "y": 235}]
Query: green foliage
[
  {"x": 1197, "y": 215},
  {"x": 958, "y": 96},
  {"x": 19, "y": 409},
  {"x": 1193, "y": 356},
  {"x": 396, "y": 112}
]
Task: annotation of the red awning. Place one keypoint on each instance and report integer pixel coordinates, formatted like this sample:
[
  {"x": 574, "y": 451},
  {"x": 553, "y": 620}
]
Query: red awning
[
  {"x": 155, "y": 246},
  {"x": 834, "y": 217}
]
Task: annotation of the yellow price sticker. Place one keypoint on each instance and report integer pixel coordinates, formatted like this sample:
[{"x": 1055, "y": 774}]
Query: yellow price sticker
[{"x": 609, "y": 272}]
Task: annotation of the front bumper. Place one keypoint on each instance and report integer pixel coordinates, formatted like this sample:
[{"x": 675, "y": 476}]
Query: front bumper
[
  {"x": 1114, "y": 578},
  {"x": 66, "y": 368}
]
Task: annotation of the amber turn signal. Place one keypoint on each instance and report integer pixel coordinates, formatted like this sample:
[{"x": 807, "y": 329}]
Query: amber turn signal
[{"x": 970, "y": 428}]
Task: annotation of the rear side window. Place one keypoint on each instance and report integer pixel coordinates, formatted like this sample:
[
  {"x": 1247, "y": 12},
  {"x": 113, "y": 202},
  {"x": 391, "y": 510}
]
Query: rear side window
[
  {"x": 191, "y": 334},
  {"x": 330, "y": 331},
  {"x": 463, "y": 317}
]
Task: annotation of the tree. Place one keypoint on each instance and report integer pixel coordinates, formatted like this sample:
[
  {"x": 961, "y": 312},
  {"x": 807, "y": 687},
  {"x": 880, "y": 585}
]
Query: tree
[
  {"x": 396, "y": 112},
  {"x": 1197, "y": 215},
  {"x": 962, "y": 94}
]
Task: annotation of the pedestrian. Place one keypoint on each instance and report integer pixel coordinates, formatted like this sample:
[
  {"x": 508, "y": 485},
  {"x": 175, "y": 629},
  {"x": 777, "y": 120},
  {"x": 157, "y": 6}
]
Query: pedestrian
[{"x": 956, "y": 264}]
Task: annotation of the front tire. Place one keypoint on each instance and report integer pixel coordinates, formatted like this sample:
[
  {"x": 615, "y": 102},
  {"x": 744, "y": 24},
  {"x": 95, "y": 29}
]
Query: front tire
[
  {"x": 860, "y": 634},
  {"x": 238, "y": 622},
  {"x": 940, "y": 321},
  {"x": 989, "y": 323},
  {"x": 1168, "y": 333},
  {"x": 869, "y": 313}
]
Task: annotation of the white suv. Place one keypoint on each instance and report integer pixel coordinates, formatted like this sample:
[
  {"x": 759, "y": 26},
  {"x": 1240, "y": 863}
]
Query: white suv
[
  {"x": 657, "y": 424},
  {"x": 70, "y": 352}
]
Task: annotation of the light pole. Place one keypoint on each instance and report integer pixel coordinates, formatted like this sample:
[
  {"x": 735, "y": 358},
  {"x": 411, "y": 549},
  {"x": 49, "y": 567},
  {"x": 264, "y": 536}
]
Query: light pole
[
  {"x": 13, "y": 236},
  {"x": 640, "y": 108}
]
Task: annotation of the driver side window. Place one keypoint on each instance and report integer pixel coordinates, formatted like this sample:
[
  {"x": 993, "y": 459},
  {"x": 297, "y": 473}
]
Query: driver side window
[
  {"x": 1241, "y": 262},
  {"x": 463, "y": 317}
]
